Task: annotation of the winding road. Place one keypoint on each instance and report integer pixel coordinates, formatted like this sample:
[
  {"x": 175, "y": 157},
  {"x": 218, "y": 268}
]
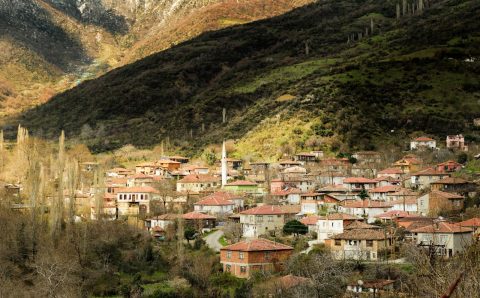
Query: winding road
[{"x": 212, "y": 240}]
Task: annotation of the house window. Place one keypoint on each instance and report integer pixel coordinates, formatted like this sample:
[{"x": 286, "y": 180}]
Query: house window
[
  {"x": 229, "y": 254},
  {"x": 270, "y": 218},
  {"x": 338, "y": 242},
  {"x": 243, "y": 269},
  {"x": 369, "y": 243},
  {"x": 260, "y": 218},
  {"x": 267, "y": 255},
  {"x": 240, "y": 255},
  {"x": 228, "y": 268}
]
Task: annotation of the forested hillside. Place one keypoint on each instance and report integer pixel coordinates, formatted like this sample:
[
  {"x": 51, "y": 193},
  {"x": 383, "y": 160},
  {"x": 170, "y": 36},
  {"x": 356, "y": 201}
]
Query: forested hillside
[
  {"x": 363, "y": 72},
  {"x": 49, "y": 46}
]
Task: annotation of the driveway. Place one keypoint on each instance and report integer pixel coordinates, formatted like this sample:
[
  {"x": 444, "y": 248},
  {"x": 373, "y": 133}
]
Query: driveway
[{"x": 212, "y": 240}]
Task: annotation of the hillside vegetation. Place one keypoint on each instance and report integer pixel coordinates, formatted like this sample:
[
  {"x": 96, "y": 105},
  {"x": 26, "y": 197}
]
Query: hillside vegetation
[
  {"x": 49, "y": 46},
  {"x": 339, "y": 73}
]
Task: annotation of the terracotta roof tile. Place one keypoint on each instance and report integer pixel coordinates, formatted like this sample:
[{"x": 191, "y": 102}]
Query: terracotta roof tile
[
  {"x": 257, "y": 245},
  {"x": 359, "y": 180},
  {"x": 442, "y": 227},
  {"x": 197, "y": 216},
  {"x": 198, "y": 178},
  {"x": 264, "y": 210}
]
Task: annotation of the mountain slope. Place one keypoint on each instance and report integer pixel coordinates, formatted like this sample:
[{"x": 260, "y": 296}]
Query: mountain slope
[
  {"x": 51, "y": 45},
  {"x": 292, "y": 80}
]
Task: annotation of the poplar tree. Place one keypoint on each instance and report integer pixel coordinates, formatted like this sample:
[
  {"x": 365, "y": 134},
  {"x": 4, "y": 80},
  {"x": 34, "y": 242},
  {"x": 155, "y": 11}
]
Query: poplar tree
[
  {"x": 57, "y": 206},
  {"x": 398, "y": 11}
]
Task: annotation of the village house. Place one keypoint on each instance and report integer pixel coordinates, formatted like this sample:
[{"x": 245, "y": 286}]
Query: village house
[
  {"x": 370, "y": 158},
  {"x": 242, "y": 187},
  {"x": 234, "y": 163},
  {"x": 329, "y": 178},
  {"x": 359, "y": 183},
  {"x": 169, "y": 165},
  {"x": 135, "y": 200},
  {"x": 454, "y": 185},
  {"x": 381, "y": 193},
  {"x": 289, "y": 196},
  {"x": 244, "y": 258},
  {"x": 422, "y": 143},
  {"x": 199, "y": 221},
  {"x": 196, "y": 183},
  {"x": 333, "y": 224},
  {"x": 377, "y": 286},
  {"x": 335, "y": 165},
  {"x": 366, "y": 209},
  {"x": 180, "y": 159},
  {"x": 456, "y": 142},
  {"x": 448, "y": 166},
  {"x": 360, "y": 243},
  {"x": 474, "y": 224},
  {"x": 119, "y": 172},
  {"x": 303, "y": 184},
  {"x": 394, "y": 173},
  {"x": 214, "y": 205},
  {"x": 406, "y": 204},
  {"x": 160, "y": 221},
  {"x": 439, "y": 201},
  {"x": 263, "y": 219},
  {"x": 394, "y": 215},
  {"x": 408, "y": 164},
  {"x": 306, "y": 157},
  {"x": 311, "y": 222},
  {"x": 387, "y": 181},
  {"x": 311, "y": 202},
  {"x": 401, "y": 195},
  {"x": 283, "y": 164},
  {"x": 447, "y": 239},
  {"x": 194, "y": 169},
  {"x": 362, "y": 170},
  {"x": 292, "y": 173},
  {"x": 422, "y": 179}
]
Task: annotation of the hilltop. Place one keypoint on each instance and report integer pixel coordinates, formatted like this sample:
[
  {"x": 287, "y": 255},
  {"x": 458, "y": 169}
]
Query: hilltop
[{"x": 330, "y": 74}]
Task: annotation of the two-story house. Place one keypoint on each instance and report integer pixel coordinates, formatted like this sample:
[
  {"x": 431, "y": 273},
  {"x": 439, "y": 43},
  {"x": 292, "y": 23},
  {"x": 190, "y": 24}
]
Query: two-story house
[
  {"x": 263, "y": 219},
  {"x": 244, "y": 258},
  {"x": 446, "y": 239}
]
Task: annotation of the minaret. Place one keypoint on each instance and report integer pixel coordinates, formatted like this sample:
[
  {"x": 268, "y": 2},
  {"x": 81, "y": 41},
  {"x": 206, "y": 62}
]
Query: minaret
[{"x": 224, "y": 165}]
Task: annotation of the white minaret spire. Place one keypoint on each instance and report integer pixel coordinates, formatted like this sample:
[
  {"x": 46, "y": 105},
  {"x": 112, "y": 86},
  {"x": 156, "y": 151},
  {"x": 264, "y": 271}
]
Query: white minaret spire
[{"x": 224, "y": 165}]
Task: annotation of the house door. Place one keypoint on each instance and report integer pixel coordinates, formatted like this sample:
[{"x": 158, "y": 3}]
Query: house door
[{"x": 450, "y": 253}]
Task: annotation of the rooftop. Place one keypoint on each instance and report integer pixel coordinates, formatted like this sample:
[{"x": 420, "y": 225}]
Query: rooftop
[{"x": 257, "y": 245}]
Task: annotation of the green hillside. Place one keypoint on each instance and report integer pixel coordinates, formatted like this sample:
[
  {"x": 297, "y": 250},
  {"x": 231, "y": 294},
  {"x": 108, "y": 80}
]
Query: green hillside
[{"x": 420, "y": 73}]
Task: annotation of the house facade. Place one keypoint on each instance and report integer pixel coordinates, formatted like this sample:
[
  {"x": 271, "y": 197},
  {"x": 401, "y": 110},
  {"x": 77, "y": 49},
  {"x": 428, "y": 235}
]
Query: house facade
[
  {"x": 447, "y": 239},
  {"x": 423, "y": 143},
  {"x": 244, "y": 258},
  {"x": 436, "y": 201},
  {"x": 262, "y": 220}
]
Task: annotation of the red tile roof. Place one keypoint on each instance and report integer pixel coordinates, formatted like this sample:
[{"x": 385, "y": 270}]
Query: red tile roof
[
  {"x": 137, "y": 189},
  {"x": 198, "y": 178},
  {"x": 264, "y": 210},
  {"x": 285, "y": 192},
  {"x": 362, "y": 234},
  {"x": 366, "y": 204},
  {"x": 472, "y": 222},
  {"x": 338, "y": 216},
  {"x": 359, "y": 180},
  {"x": 430, "y": 172},
  {"x": 214, "y": 201},
  {"x": 423, "y": 139},
  {"x": 391, "y": 171},
  {"x": 447, "y": 195},
  {"x": 442, "y": 227},
  {"x": 393, "y": 214},
  {"x": 241, "y": 183},
  {"x": 450, "y": 180},
  {"x": 257, "y": 245},
  {"x": 310, "y": 220},
  {"x": 360, "y": 225},
  {"x": 197, "y": 216},
  {"x": 386, "y": 188}
]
